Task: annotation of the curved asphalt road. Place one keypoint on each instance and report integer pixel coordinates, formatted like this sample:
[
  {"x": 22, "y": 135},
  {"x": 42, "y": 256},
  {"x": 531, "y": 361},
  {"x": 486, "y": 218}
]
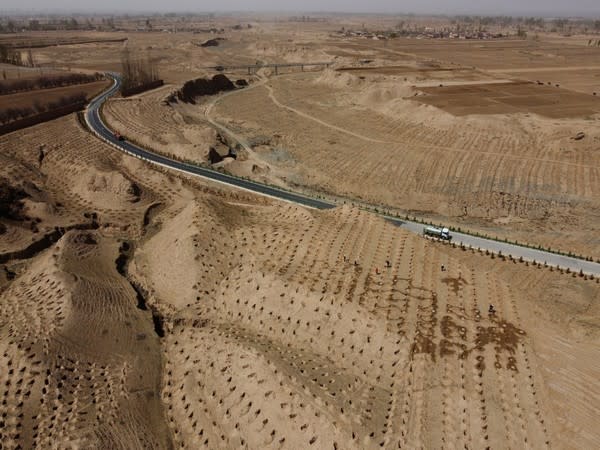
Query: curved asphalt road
[
  {"x": 94, "y": 121},
  {"x": 96, "y": 124}
]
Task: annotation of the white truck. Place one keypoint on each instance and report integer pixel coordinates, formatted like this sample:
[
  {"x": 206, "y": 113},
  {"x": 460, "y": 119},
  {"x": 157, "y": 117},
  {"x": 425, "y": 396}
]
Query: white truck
[{"x": 441, "y": 233}]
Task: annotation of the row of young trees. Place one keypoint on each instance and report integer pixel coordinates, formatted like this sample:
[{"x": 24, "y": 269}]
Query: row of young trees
[
  {"x": 14, "y": 26},
  {"x": 15, "y": 113},
  {"x": 15, "y": 57},
  {"x": 557, "y": 24},
  {"x": 10, "y": 56},
  {"x": 47, "y": 82},
  {"x": 136, "y": 72}
]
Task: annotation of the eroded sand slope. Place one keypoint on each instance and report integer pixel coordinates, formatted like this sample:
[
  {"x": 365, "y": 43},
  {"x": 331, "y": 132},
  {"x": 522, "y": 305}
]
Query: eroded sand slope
[
  {"x": 257, "y": 324},
  {"x": 80, "y": 363},
  {"x": 287, "y": 330}
]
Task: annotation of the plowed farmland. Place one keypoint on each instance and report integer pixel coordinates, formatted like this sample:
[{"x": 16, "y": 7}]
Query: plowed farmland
[{"x": 506, "y": 98}]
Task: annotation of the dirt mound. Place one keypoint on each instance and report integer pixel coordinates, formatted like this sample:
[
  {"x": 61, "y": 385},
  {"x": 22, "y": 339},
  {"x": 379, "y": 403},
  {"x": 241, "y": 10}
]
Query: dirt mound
[
  {"x": 211, "y": 43},
  {"x": 335, "y": 79},
  {"x": 382, "y": 95},
  {"x": 203, "y": 86},
  {"x": 213, "y": 156},
  {"x": 156, "y": 122},
  {"x": 114, "y": 186}
]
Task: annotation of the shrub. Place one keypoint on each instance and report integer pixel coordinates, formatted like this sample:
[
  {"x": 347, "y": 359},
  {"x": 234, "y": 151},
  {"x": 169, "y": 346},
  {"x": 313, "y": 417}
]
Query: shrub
[{"x": 203, "y": 86}]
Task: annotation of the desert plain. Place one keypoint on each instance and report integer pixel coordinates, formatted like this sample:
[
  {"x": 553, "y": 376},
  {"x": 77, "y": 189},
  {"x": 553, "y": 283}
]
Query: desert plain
[{"x": 145, "y": 308}]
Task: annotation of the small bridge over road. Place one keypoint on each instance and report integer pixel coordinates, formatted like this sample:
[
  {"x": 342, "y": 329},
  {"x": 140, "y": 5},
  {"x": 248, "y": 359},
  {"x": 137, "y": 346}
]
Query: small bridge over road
[{"x": 252, "y": 68}]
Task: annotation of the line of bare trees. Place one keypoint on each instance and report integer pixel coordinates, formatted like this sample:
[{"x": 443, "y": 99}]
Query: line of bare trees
[
  {"x": 137, "y": 72},
  {"x": 47, "y": 82},
  {"x": 10, "y": 56},
  {"x": 10, "y": 114}
]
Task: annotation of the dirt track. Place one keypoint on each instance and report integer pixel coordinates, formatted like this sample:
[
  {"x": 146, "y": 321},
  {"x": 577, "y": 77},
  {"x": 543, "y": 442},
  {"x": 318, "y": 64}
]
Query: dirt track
[{"x": 321, "y": 122}]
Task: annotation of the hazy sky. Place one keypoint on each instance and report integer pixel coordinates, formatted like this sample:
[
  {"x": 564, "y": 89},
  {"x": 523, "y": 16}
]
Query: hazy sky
[{"x": 513, "y": 7}]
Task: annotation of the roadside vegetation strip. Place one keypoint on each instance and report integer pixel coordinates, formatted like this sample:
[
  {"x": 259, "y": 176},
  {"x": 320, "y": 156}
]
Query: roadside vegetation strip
[
  {"x": 320, "y": 201},
  {"x": 25, "y": 109},
  {"x": 44, "y": 44},
  {"x": 15, "y": 86},
  {"x": 34, "y": 119},
  {"x": 395, "y": 215}
]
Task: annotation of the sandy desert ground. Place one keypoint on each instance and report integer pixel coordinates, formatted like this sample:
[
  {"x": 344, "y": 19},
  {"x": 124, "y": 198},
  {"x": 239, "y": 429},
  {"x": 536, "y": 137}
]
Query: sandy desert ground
[
  {"x": 274, "y": 326},
  {"x": 140, "y": 308}
]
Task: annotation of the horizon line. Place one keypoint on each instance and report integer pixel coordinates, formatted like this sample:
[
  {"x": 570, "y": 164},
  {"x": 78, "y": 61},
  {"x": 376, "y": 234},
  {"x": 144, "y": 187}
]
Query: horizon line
[{"x": 125, "y": 11}]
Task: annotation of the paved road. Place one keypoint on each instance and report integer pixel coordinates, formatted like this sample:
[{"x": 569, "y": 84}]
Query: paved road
[
  {"x": 516, "y": 251},
  {"x": 97, "y": 125}
]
